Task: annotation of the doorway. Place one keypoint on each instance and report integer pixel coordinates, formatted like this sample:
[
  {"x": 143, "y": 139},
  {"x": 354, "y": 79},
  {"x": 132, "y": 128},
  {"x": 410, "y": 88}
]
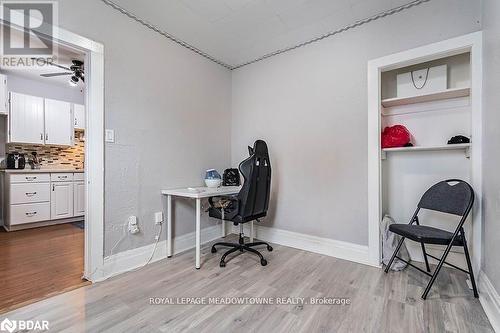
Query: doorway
[{"x": 72, "y": 250}]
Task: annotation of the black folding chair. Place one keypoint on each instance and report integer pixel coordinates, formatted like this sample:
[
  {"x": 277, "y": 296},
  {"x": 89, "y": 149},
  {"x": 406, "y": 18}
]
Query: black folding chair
[{"x": 452, "y": 196}]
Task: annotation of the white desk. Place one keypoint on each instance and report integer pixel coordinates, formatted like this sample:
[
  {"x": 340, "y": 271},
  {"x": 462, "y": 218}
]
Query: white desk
[{"x": 202, "y": 192}]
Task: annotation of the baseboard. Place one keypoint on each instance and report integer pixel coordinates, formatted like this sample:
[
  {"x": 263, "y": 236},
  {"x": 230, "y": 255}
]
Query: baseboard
[
  {"x": 334, "y": 248},
  {"x": 135, "y": 258},
  {"x": 490, "y": 300}
]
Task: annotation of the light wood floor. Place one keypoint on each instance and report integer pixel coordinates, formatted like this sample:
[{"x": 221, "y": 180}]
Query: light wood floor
[
  {"x": 379, "y": 302},
  {"x": 39, "y": 262}
]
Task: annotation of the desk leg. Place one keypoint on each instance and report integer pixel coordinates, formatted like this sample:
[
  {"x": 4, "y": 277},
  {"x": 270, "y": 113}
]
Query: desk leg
[
  {"x": 251, "y": 232},
  {"x": 198, "y": 232},
  {"x": 169, "y": 226}
]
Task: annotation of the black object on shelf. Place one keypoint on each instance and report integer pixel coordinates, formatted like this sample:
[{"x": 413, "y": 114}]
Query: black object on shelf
[{"x": 458, "y": 139}]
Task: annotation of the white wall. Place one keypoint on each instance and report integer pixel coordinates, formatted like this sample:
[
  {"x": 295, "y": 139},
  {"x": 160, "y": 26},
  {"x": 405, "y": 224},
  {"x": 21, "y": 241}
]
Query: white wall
[
  {"x": 491, "y": 141},
  {"x": 170, "y": 110},
  {"x": 310, "y": 106}
]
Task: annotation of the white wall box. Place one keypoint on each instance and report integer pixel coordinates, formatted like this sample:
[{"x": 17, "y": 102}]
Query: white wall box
[
  {"x": 4, "y": 97},
  {"x": 79, "y": 116},
  {"x": 398, "y": 177},
  {"x": 38, "y": 199},
  {"x": 26, "y": 120},
  {"x": 422, "y": 81},
  {"x": 58, "y": 123}
]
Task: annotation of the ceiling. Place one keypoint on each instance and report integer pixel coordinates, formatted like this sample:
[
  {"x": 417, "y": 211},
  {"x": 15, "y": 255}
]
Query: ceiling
[{"x": 237, "y": 31}]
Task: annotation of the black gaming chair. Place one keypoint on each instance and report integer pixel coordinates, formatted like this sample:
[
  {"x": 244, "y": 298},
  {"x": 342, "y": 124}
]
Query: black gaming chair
[
  {"x": 451, "y": 196},
  {"x": 251, "y": 203}
]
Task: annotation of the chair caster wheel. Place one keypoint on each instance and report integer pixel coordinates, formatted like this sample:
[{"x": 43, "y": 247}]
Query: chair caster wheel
[
  {"x": 222, "y": 264},
  {"x": 263, "y": 262},
  {"x": 213, "y": 249},
  {"x": 269, "y": 248}
]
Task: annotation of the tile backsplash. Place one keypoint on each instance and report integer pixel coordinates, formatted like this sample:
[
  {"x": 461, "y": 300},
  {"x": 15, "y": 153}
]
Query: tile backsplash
[{"x": 54, "y": 156}]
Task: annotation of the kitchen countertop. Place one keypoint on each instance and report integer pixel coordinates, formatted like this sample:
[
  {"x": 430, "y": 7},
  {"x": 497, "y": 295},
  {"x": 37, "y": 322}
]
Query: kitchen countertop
[{"x": 41, "y": 170}]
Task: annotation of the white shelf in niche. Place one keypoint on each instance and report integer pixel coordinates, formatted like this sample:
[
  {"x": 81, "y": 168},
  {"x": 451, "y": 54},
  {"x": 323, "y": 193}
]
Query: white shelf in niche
[
  {"x": 437, "y": 96},
  {"x": 460, "y": 146}
]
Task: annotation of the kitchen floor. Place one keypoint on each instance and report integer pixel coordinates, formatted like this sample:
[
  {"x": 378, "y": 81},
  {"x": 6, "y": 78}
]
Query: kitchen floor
[{"x": 39, "y": 262}]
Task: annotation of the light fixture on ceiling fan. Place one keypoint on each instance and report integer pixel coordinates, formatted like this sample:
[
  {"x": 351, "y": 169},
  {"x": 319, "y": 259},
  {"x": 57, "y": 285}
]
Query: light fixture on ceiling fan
[{"x": 76, "y": 70}]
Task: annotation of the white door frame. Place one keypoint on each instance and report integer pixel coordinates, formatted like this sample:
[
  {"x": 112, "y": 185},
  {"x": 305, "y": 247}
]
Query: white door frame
[
  {"x": 94, "y": 147},
  {"x": 468, "y": 43}
]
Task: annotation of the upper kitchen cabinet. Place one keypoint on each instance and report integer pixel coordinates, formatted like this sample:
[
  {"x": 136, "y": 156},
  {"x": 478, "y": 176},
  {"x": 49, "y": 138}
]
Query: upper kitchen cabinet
[
  {"x": 79, "y": 114},
  {"x": 26, "y": 120},
  {"x": 4, "y": 105},
  {"x": 58, "y": 123}
]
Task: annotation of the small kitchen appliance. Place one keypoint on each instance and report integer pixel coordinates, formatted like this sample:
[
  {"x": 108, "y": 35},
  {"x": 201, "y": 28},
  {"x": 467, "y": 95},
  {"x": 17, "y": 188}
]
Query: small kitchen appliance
[{"x": 15, "y": 161}]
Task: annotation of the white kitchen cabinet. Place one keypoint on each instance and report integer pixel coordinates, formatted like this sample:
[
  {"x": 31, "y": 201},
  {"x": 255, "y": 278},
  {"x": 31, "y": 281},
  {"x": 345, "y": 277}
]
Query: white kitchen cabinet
[
  {"x": 79, "y": 115},
  {"x": 26, "y": 120},
  {"x": 79, "y": 198},
  {"x": 4, "y": 97},
  {"x": 32, "y": 199},
  {"x": 61, "y": 200},
  {"x": 58, "y": 123}
]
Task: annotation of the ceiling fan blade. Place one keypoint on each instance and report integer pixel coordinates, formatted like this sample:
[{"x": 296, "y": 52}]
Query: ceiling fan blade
[
  {"x": 55, "y": 74},
  {"x": 50, "y": 63}
]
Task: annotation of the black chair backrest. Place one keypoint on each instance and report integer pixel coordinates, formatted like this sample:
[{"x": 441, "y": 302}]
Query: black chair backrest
[
  {"x": 448, "y": 197},
  {"x": 254, "y": 194}
]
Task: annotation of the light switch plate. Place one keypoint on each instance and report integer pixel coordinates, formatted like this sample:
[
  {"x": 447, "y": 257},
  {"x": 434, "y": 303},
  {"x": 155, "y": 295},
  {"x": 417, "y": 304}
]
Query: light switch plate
[{"x": 109, "y": 135}]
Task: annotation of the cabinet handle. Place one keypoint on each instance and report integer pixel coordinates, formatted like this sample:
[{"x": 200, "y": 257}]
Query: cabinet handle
[
  {"x": 53, "y": 188},
  {"x": 41, "y": 136},
  {"x": 30, "y": 194},
  {"x": 31, "y": 214},
  {"x": 62, "y": 177},
  {"x": 30, "y": 178},
  {"x": 46, "y": 136}
]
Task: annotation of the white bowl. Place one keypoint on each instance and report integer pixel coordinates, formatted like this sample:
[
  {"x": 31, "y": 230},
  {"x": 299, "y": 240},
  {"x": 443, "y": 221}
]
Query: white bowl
[{"x": 213, "y": 182}]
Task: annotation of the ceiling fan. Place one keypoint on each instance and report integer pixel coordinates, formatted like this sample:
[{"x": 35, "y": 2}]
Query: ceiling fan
[{"x": 76, "y": 70}]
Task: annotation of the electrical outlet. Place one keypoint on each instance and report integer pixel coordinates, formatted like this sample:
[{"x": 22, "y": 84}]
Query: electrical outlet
[
  {"x": 158, "y": 217},
  {"x": 132, "y": 225}
]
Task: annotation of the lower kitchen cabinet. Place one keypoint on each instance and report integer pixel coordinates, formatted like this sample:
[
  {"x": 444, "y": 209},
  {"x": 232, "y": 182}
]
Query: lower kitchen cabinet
[
  {"x": 35, "y": 199},
  {"x": 61, "y": 200},
  {"x": 79, "y": 198}
]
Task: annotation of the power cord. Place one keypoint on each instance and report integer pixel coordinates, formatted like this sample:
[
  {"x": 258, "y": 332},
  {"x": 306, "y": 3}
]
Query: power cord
[
  {"x": 121, "y": 239},
  {"x": 157, "y": 237},
  {"x": 157, "y": 240}
]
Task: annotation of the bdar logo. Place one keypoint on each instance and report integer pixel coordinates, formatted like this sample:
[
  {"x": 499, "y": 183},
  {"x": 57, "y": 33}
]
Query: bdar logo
[{"x": 8, "y": 325}]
